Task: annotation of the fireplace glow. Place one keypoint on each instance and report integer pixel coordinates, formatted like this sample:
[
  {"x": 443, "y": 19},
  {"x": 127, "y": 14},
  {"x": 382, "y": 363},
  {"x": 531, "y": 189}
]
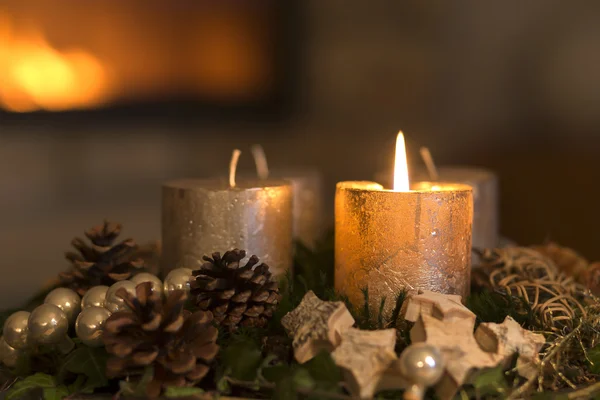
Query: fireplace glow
[{"x": 36, "y": 76}]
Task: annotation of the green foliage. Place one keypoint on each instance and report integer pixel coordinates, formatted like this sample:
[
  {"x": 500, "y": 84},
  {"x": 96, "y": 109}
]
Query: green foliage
[
  {"x": 315, "y": 267},
  {"x": 89, "y": 362},
  {"x": 173, "y": 391},
  {"x": 48, "y": 385},
  {"x": 593, "y": 359},
  {"x": 241, "y": 360},
  {"x": 137, "y": 388},
  {"x": 496, "y": 306},
  {"x": 490, "y": 381},
  {"x": 314, "y": 379}
]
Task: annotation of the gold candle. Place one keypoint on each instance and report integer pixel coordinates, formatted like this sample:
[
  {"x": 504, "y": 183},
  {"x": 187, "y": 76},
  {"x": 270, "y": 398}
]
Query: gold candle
[
  {"x": 387, "y": 240},
  {"x": 200, "y": 217}
]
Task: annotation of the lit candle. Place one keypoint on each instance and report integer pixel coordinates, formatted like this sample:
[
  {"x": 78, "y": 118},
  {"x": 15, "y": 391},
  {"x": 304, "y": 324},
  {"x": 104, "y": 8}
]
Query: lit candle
[
  {"x": 388, "y": 240},
  {"x": 307, "y": 187},
  {"x": 200, "y": 217}
]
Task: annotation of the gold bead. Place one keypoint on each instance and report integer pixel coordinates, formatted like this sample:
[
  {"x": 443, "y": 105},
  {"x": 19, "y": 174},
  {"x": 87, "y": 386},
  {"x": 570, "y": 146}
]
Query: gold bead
[
  {"x": 94, "y": 297},
  {"x": 47, "y": 324},
  {"x": 67, "y": 300},
  {"x": 15, "y": 330},
  {"x": 90, "y": 325},
  {"x": 8, "y": 354},
  {"x": 157, "y": 285},
  {"x": 177, "y": 279},
  {"x": 114, "y": 303}
]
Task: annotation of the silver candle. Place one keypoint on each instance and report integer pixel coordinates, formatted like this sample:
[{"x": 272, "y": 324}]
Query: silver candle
[
  {"x": 307, "y": 209},
  {"x": 485, "y": 198},
  {"x": 200, "y": 217}
]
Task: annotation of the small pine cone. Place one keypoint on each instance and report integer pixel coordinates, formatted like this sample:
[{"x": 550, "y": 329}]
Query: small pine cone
[
  {"x": 566, "y": 259},
  {"x": 237, "y": 295},
  {"x": 102, "y": 262},
  {"x": 179, "y": 345}
]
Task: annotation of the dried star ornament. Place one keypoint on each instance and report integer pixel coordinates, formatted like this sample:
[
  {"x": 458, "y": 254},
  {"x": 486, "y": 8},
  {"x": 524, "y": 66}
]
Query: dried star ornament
[
  {"x": 438, "y": 305},
  {"x": 364, "y": 356},
  {"x": 461, "y": 352},
  {"x": 316, "y": 325},
  {"x": 442, "y": 321},
  {"x": 508, "y": 338}
]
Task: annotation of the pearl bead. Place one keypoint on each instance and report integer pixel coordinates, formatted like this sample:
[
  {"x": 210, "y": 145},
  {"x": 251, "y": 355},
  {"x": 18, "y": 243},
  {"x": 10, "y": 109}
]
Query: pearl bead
[
  {"x": 113, "y": 302},
  {"x": 8, "y": 354},
  {"x": 157, "y": 285},
  {"x": 177, "y": 279},
  {"x": 94, "y": 297},
  {"x": 421, "y": 364},
  {"x": 67, "y": 300},
  {"x": 15, "y": 330},
  {"x": 90, "y": 325},
  {"x": 47, "y": 324}
]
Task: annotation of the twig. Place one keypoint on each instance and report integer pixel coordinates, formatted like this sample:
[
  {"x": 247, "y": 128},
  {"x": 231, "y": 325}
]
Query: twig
[
  {"x": 585, "y": 393},
  {"x": 272, "y": 386}
]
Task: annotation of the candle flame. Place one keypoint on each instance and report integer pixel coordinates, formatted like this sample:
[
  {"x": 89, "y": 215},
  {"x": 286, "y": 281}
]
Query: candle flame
[{"x": 401, "y": 166}]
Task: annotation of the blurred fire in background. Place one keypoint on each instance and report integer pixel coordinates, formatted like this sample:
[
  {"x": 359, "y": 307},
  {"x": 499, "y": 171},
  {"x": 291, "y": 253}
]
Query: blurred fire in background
[
  {"x": 37, "y": 76},
  {"x": 92, "y": 54}
]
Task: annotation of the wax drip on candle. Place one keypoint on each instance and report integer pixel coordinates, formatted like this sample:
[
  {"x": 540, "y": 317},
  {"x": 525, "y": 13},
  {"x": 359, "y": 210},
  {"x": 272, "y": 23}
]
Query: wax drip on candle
[
  {"x": 260, "y": 159},
  {"x": 233, "y": 166},
  {"x": 429, "y": 164},
  {"x": 401, "y": 166}
]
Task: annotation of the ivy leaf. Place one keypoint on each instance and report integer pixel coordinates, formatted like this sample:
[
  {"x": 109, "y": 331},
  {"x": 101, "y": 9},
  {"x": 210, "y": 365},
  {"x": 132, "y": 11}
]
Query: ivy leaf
[
  {"x": 276, "y": 373},
  {"x": 490, "y": 381},
  {"x": 323, "y": 369},
  {"x": 77, "y": 385},
  {"x": 242, "y": 359},
  {"x": 56, "y": 393},
  {"x": 303, "y": 379},
  {"x": 39, "y": 380},
  {"x": 173, "y": 391},
  {"x": 88, "y": 361},
  {"x": 285, "y": 389},
  {"x": 137, "y": 388},
  {"x": 594, "y": 359}
]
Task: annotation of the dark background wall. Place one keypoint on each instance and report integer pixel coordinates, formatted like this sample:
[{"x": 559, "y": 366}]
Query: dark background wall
[{"x": 513, "y": 86}]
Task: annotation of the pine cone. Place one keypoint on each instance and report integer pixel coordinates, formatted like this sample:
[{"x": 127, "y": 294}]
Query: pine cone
[
  {"x": 236, "y": 295},
  {"x": 178, "y": 345},
  {"x": 102, "y": 262}
]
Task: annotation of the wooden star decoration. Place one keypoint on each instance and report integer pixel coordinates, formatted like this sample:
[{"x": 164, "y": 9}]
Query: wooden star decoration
[
  {"x": 461, "y": 352},
  {"x": 364, "y": 356},
  {"x": 438, "y": 305},
  {"x": 316, "y": 325},
  {"x": 508, "y": 338}
]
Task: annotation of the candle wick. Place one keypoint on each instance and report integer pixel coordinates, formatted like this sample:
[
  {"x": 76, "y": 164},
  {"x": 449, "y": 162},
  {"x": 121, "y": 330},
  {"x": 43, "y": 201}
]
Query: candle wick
[
  {"x": 233, "y": 166},
  {"x": 429, "y": 163},
  {"x": 260, "y": 159}
]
